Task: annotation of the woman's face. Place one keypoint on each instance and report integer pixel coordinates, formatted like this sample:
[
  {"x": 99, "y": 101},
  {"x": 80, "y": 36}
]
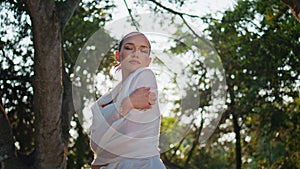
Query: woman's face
[{"x": 134, "y": 53}]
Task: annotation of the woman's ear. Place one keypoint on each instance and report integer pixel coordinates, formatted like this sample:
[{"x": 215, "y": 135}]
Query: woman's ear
[{"x": 117, "y": 56}]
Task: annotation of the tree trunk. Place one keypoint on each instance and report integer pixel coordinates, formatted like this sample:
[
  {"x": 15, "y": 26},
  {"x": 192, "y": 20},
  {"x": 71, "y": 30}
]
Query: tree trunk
[
  {"x": 48, "y": 89},
  {"x": 236, "y": 127},
  {"x": 48, "y": 19},
  {"x": 238, "y": 149}
]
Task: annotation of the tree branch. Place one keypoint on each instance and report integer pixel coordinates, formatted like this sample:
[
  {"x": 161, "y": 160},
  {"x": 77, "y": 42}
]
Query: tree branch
[
  {"x": 195, "y": 142},
  {"x": 135, "y": 24},
  {"x": 168, "y": 162},
  {"x": 66, "y": 10},
  {"x": 181, "y": 15},
  {"x": 177, "y": 148},
  {"x": 68, "y": 109},
  {"x": 194, "y": 33},
  {"x": 294, "y": 5},
  {"x": 8, "y": 158},
  {"x": 173, "y": 11}
]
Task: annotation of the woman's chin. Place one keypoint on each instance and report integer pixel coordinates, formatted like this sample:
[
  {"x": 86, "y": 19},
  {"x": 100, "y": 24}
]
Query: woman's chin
[{"x": 134, "y": 68}]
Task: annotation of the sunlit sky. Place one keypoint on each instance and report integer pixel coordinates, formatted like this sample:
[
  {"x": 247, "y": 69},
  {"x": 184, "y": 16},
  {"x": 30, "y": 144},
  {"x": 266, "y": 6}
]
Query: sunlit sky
[{"x": 194, "y": 7}]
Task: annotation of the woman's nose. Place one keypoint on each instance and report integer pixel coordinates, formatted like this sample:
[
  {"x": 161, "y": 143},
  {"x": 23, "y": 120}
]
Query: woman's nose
[{"x": 135, "y": 53}]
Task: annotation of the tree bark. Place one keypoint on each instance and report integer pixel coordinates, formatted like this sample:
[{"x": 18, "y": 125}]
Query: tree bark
[
  {"x": 48, "y": 21},
  {"x": 67, "y": 106},
  {"x": 48, "y": 88}
]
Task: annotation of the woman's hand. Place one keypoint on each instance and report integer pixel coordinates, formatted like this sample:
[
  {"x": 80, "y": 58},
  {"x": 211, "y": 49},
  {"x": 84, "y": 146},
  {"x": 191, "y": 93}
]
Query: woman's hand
[{"x": 141, "y": 98}]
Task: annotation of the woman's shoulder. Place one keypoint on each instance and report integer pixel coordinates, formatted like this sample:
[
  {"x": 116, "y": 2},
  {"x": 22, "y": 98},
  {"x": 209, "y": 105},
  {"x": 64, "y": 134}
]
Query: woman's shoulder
[
  {"x": 145, "y": 72},
  {"x": 145, "y": 77}
]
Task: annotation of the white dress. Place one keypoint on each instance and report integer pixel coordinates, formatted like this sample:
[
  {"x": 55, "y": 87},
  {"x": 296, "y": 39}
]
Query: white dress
[{"x": 129, "y": 142}]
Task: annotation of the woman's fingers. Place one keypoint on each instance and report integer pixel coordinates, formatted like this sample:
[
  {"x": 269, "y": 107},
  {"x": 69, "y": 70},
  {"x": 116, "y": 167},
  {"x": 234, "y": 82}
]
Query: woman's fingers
[
  {"x": 142, "y": 98},
  {"x": 152, "y": 98},
  {"x": 139, "y": 98}
]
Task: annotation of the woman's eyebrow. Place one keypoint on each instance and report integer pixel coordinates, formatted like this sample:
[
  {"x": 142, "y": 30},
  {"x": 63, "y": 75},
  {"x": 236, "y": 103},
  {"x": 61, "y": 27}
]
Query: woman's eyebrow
[
  {"x": 142, "y": 46},
  {"x": 128, "y": 43}
]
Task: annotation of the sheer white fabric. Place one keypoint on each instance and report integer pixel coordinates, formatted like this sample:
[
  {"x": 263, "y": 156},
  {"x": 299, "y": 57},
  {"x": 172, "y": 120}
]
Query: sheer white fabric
[{"x": 130, "y": 141}]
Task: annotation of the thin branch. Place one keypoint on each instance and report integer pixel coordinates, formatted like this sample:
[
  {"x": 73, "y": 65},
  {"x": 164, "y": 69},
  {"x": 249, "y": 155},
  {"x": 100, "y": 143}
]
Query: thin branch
[
  {"x": 177, "y": 148},
  {"x": 4, "y": 113},
  {"x": 173, "y": 11},
  {"x": 68, "y": 109},
  {"x": 294, "y": 6},
  {"x": 66, "y": 10},
  {"x": 195, "y": 142},
  {"x": 181, "y": 141},
  {"x": 181, "y": 15},
  {"x": 168, "y": 162},
  {"x": 198, "y": 36},
  {"x": 131, "y": 16},
  {"x": 8, "y": 158}
]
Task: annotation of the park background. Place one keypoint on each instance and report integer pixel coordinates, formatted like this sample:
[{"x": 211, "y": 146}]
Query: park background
[{"x": 258, "y": 45}]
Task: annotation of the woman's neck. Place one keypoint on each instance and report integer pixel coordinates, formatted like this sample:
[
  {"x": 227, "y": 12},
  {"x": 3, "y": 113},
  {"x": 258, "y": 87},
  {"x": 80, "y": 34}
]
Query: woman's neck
[{"x": 125, "y": 74}]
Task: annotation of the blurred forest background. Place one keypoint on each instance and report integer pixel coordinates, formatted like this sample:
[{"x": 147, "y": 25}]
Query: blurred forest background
[{"x": 258, "y": 42}]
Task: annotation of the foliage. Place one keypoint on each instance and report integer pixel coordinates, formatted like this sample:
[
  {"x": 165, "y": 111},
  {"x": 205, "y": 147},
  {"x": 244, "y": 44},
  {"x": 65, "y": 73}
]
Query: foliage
[
  {"x": 79, "y": 150},
  {"x": 17, "y": 70},
  {"x": 259, "y": 47},
  {"x": 258, "y": 42},
  {"x": 16, "y": 73}
]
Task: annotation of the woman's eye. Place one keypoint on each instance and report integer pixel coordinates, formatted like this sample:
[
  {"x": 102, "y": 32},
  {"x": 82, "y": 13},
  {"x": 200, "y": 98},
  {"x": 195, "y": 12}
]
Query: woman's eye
[
  {"x": 128, "y": 48},
  {"x": 144, "y": 50}
]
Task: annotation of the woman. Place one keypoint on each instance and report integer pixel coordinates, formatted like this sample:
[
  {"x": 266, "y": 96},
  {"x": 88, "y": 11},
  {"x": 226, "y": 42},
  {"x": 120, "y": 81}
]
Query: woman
[{"x": 126, "y": 121}]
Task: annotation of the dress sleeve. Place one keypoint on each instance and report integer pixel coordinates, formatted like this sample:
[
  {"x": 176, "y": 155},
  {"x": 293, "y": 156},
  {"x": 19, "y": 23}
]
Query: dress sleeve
[
  {"x": 109, "y": 110},
  {"x": 111, "y": 113},
  {"x": 146, "y": 78}
]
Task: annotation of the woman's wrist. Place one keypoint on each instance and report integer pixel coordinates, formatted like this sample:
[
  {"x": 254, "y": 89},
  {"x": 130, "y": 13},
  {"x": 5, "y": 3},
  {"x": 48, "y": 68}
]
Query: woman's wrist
[{"x": 126, "y": 106}]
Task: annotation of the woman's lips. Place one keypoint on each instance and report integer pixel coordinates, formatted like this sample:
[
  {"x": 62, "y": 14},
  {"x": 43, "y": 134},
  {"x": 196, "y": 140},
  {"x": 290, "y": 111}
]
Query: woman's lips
[{"x": 134, "y": 62}]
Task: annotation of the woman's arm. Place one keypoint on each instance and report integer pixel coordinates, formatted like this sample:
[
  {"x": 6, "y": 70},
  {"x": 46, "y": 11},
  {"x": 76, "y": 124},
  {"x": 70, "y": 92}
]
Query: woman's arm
[
  {"x": 144, "y": 94},
  {"x": 141, "y": 98},
  {"x": 146, "y": 78}
]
